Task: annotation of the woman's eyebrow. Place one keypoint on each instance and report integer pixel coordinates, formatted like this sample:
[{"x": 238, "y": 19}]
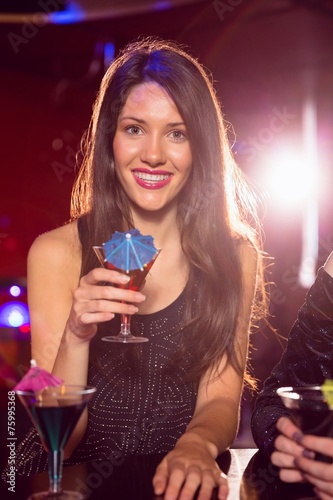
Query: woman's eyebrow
[
  {"x": 134, "y": 118},
  {"x": 140, "y": 120}
]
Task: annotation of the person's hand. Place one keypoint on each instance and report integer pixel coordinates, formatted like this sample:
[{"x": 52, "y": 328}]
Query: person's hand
[
  {"x": 187, "y": 467},
  {"x": 288, "y": 449},
  {"x": 319, "y": 474},
  {"x": 295, "y": 456},
  {"x": 95, "y": 302}
]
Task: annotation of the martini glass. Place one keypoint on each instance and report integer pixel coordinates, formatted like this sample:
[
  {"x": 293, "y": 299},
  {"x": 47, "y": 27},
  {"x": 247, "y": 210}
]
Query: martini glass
[
  {"x": 54, "y": 412},
  {"x": 310, "y": 411},
  {"x": 137, "y": 277}
]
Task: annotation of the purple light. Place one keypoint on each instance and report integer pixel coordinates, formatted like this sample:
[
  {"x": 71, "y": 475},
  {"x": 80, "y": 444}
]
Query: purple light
[
  {"x": 14, "y": 314},
  {"x": 162, "y": 5}
]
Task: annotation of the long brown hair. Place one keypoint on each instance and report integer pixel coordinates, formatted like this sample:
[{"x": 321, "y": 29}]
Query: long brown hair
[{"x": 216, "y": 211}]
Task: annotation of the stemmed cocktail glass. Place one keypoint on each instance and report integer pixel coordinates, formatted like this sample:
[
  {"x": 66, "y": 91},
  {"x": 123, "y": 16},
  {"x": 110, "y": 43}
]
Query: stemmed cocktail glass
[
  {"x": 55, "y": 412},
  {"x": 137, "y": 277},
  {"x": 310, "y": 410}
]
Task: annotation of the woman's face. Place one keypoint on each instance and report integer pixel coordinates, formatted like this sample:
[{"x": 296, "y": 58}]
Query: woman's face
[{"x": 153, "y": 158}]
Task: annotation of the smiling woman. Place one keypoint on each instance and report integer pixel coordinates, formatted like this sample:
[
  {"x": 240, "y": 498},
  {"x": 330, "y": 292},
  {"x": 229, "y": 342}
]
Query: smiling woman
[
  {"x": 155, "y": 158},
  {"x": 151, "y": 149}
]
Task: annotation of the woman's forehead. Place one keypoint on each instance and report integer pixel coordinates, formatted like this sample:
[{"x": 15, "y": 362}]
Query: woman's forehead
[{"x": 149, "y": 95}]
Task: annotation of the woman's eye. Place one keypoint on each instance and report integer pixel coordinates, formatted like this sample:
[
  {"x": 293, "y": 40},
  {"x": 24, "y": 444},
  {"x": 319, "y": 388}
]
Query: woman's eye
[
  {"x": 178, "y": 135},
  {"x": 133, "y": 130}
]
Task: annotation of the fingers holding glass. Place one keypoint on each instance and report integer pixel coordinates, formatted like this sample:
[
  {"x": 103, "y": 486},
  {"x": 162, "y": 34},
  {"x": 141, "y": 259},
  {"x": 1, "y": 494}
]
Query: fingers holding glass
[{"x": 94, "y": 301}]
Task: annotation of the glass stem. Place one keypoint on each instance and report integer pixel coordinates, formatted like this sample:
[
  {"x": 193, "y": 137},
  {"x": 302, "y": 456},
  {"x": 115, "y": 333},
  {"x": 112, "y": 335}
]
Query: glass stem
[
  {"x": 125, "y": 327},
  {"x": 55, "y": 470}
]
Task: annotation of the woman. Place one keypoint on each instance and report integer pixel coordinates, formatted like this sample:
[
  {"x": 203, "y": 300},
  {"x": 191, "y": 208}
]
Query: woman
[
  {"x": 307, "y": 360},
  {"x": 156, "y": 157}
]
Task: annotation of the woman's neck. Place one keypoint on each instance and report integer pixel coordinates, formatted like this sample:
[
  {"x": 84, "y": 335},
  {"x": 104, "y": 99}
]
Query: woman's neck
[{"x": 161, "y": 225}]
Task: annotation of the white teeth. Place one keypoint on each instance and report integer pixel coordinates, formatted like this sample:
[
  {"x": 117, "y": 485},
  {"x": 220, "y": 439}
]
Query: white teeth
[{"x": 151, "y": 177}]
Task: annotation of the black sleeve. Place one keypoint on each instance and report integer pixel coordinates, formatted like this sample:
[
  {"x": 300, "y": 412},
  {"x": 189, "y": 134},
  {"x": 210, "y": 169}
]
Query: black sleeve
[{"x": 306, "y": 360}]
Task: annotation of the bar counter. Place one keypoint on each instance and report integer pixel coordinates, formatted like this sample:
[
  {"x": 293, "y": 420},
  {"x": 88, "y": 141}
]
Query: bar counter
[{"x": 251, "y": 477}]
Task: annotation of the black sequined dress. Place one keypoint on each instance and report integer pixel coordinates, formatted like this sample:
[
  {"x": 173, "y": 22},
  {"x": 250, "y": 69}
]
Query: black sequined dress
[
  {"x": 143, "y": 402},
  {"x": 307, "y": 360}
]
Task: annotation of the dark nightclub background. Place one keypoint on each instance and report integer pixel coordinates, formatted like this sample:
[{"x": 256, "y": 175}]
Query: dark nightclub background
[{"x": 271, "y": 62}]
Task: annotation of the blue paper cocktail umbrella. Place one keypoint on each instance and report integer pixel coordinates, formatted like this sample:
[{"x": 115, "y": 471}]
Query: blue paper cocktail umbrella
[
  {"x": 129, "y": 250},
  {"x": 134, "y": 254}
]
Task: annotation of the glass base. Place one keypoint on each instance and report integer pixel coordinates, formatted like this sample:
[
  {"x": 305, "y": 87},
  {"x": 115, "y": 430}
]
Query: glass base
[
  {"x": 125, "y": 339},
  {"x": 63, "y": 495}
]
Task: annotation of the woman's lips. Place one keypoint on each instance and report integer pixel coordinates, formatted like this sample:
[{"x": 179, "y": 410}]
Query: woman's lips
[{"x": 152, "y": 180}]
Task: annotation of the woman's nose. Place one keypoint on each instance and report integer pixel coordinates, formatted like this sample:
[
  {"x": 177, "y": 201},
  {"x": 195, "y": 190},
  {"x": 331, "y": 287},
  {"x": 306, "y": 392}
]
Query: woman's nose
[{"x": 153, "y": 152}]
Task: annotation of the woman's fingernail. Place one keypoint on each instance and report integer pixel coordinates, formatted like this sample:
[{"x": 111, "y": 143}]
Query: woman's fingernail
[
  {"x": 132, "y": 309},
  {"x": 140, "y": 297},
  {"x": 298, "y": 436},
  {"x": 124, "y": 278},
  {"x": 308, "y": 454}
]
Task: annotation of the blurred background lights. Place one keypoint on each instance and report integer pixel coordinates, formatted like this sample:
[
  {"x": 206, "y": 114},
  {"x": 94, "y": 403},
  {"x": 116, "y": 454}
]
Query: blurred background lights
[
  {"x": 24, "y": 328},
  {"x": 72, "y": 13},
  {"x": 57, "y": 144},
  {"x": 162, "y": 5},
  {"x": 291, "y": 178},
  {"x": 15, "y": 291},
  {"x": 109, "y": 53},
  {"x": 287, "y": 179},
  {"x": 14, "y": 314},
  {"x": 4, "y": 221}
]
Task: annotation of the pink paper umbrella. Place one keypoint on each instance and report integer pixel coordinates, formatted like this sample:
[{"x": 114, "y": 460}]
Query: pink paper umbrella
[{"x": 37, "y": 379}]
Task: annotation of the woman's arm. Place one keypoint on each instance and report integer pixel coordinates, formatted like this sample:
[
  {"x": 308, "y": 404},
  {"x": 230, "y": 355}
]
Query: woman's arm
[
  {"x": 215, "y": 422},
  {"x": 219, "y": 398},
  {"x": 53, "y": 274},
  {"x": 65, "y": 310},
  {"x": 289, "y": 445},
  {"x": 304, "y": 360}
]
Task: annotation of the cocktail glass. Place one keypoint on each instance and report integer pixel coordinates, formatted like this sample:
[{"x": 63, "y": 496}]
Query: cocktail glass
[
  {"x": 54, "y": 412},
  {"x": 310, "y": 411},
  {"x": 137, "y": 277}
]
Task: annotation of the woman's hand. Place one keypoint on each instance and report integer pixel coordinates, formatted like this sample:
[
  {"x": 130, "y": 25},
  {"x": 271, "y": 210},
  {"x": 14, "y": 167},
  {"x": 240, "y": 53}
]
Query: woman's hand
[
  {"x": 94, "y": 302},
  {"x": 295, "y": 455},
  {"x": 187, "y": 467},
  {"x": 287, "y": 450},
  {"x": 318, "y": 473}
]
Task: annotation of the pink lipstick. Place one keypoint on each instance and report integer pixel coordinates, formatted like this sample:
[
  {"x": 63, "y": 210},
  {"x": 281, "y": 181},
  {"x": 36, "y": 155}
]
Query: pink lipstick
[{"x": 152, "y": 179}]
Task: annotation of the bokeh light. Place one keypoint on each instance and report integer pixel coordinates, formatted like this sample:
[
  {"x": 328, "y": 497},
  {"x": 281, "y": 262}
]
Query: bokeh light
[
  {"x": 14, "y": 314},
  {"x": 287, "y": 179},
  {"x": 15, "y": 291}
]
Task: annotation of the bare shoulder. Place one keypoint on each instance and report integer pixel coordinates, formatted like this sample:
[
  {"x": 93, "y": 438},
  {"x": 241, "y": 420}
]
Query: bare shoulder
[
  {"x": 57, "y": 249},
  {"x": 62, "y": 239}
]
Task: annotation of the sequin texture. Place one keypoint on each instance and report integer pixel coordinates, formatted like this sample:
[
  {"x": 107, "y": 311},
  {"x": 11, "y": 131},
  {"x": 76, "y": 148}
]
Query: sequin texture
[{"x": 142, "y": 404}]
